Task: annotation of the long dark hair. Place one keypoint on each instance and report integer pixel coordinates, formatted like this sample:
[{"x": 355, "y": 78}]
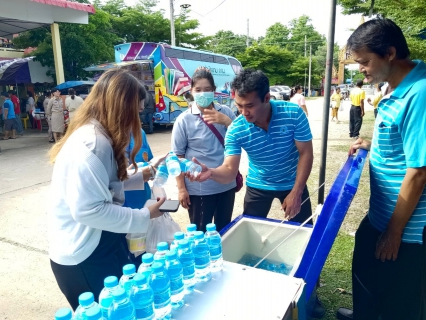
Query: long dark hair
[{"x": 71, "y": 92}]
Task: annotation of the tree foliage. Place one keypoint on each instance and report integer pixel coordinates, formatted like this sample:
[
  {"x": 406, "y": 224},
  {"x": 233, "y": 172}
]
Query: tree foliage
[
  {"x": 409, "y": 15},
  {"x": 229, "y": 43}
]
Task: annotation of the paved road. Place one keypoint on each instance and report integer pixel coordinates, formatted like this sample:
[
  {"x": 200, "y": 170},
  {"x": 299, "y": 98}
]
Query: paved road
[{"x": 28, "y": 289}]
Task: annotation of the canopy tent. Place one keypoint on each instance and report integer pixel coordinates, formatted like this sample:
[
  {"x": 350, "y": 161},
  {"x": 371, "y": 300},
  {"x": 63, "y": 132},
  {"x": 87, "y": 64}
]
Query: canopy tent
[
  {"x": 23, "y": 71},
  {"x": 74, "y": 84}
]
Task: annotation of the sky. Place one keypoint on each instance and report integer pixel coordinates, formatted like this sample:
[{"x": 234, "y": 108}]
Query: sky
[{"x": 215, "y": 15}]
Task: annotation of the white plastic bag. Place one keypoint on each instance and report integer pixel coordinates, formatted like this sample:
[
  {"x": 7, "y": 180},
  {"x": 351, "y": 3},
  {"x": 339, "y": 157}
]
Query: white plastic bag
[
  {"x": 341, "y": 107},
  {"x": 161, "y": 229}
]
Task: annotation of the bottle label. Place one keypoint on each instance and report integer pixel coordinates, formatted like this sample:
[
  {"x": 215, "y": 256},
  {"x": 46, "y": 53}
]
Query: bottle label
[
  {"x": 162, "y": 298},
  {"x": 188, "y": 270},
  {"x": 144, "y": 311},
  {"x": 176, "y": 285}
]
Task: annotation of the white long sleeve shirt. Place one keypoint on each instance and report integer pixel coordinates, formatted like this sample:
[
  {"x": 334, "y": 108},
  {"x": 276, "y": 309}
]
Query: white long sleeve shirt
[{"x": 87, "y": 197}]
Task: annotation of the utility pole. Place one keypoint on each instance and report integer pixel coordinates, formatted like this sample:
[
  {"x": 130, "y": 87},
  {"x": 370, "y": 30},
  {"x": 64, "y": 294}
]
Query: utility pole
[
  {"x": 327, "y": 88},
  {"x": 310, "y": 67},
  {"x": 172, "y": 23},
  {"x": 248, "y": 32},
  {"x": 305, "y": 45}
]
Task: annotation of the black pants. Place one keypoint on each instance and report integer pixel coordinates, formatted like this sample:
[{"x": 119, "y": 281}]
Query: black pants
[
  {"x": 108, "y": 259},
  {"x": 392, "y": 290},
  {"x": 375, "y": 113},
  {"x": 204, "y": 208},
  {"x": 355, "y": 121},
  {"x": 258, "y": 202}
]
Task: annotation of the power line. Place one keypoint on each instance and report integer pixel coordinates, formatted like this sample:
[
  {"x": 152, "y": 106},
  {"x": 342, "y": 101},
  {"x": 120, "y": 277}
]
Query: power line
[{"x": 215, "y": 7}]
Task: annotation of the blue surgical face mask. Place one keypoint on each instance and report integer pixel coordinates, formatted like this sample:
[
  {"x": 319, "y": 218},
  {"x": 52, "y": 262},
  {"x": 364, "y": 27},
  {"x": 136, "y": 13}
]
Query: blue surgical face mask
[{"x": 203, "y": 99}]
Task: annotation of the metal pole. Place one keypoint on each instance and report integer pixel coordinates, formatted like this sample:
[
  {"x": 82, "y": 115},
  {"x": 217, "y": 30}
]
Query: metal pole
[
  {"x": 327, "y": 89},
  {"x": 248, "y": 32},
  {"x": 310, "y": 67},
  {"x": 305, "y": 45},
  {"x": 172, "y": 23}
]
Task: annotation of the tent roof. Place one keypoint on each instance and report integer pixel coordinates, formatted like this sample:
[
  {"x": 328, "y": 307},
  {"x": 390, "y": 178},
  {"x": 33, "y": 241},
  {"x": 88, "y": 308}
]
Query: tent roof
[{"x": 17, "y": 16}]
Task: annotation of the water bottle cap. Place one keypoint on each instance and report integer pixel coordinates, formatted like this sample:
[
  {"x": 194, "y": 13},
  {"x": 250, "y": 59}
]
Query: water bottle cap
[
  {"x": 191, "y": 227},
  {"x": 161, "y": 246},
  {"x": 148, "y": 258},
  {"x": 94, "y": 313},
  {"x": 119, "y": 294},
  {"x": 211, "y": 227},
  {"x": 157, "y": 266},
  {"x": 129, "y": 269},
  {"x": 63, "y": 314},
  {"x": 140, "y": 279},
  {"x": 183, "y": 243},
  {"x": 110, "y": 282},
  {"x": 199, "y": 235},
  {"x": 171, "y": 255},
  {"x": 86, "y": 299},
  {"x": 179, "y": 235}
]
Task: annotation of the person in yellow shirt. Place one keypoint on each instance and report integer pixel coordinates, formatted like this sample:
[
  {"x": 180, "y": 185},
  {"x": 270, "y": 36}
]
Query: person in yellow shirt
[
  {"x": 376, "y": 99},
  {"x": 357, "y": 110},
  {"x": 335, "y": 104}
]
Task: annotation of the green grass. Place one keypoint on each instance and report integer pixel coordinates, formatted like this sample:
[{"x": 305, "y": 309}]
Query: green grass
[{"x": 336, "y": 275}]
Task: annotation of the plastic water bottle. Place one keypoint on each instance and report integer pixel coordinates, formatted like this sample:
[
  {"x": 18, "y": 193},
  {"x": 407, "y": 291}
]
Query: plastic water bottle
[
  {"x": 145, "y": 267},
  {"x": 201, "y": 258},
  {"x": 175, "y": 273},
  {"x": 190, "y": 234},
  {"x": 186, "y": 258},
  {"x": 142, "y": 297},
  {"x": 105, "y": 297},
  {"x": 162, "y": 249},
  {"x": 126, "y": 280},
  {"x": 161, "y": 176},
  {"x": 177, "y": 237},
  {"x": 160, "y": 284},
  {"x": 122, "y": 308},
  {"x": 86, "y": 301},
  {"x": 215, "y": 246},
  {"x": 189, "y": 166},
  {"x": 63, "y": 314},
  {"x": 94, "y": 313},
  {"x": 173, "y": 165}
]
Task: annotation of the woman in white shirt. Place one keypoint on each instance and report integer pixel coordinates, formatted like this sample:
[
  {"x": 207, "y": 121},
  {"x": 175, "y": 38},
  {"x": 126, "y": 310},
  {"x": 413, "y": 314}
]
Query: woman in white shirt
[
  {"x": 72, "y": 103},
  {"x": 297, "y": 97},
  {"x": 30, "y": 107},
  {"x": 87, "y": 220}
]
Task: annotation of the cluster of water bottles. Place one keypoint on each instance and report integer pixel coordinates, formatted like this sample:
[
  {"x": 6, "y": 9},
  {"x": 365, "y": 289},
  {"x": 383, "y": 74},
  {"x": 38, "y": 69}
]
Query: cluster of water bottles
[
  {"x": 161, "y": 282},
  {"x": 173, "y": 166}
]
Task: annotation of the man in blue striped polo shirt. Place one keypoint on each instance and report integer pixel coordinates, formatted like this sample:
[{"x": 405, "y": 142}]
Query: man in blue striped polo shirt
[
  {"x": 278, "y": 141},
  {"x": 389, "y": 262}
]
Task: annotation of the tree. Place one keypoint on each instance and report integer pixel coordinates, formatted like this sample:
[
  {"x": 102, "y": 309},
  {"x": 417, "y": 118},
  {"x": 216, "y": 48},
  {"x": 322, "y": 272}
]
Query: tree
[
  {"x": 272, "y": 60},
  {"x": 299, "y": 28},
  {"x": 277, "y": 34},
  {"x": 409, "y": 15},
  {"x": 82, "y": 45},
  {"x": 320, "y": 58},
  {"x": 227, "y": 42}
]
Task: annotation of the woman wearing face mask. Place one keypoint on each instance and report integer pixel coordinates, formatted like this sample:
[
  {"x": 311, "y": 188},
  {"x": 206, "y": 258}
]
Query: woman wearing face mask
[{"x": 192, "y": 137}]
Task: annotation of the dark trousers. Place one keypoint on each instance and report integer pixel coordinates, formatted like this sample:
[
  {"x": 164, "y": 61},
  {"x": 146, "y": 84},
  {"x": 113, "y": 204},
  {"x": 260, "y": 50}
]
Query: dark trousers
[
  {"x": 258, "y": 202},
  {"x": 148, "y": 120},
  {"x": 375, "y": 113},
  {"x": 390, "y": 290},
  {"x": 218, "y": 206},
  {"x": 108, "y": 259},
  {"x": 355, "y": 121}
]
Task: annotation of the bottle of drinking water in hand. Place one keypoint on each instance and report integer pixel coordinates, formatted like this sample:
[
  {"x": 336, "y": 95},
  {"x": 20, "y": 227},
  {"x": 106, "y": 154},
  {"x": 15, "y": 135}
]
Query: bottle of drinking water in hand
[
  {"x": 190, "y": 167},
  {"x": 161, "y": 176},
  {"x": 173, "y": 165}
]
